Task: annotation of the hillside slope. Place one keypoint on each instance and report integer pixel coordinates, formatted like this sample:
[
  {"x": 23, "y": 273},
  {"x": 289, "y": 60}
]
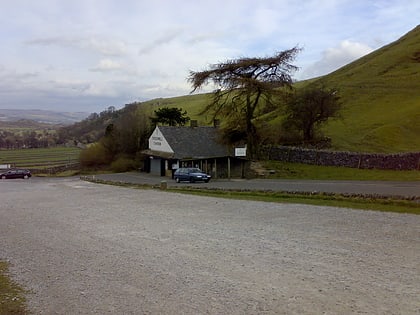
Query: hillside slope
[
  {"x": 193, "y": 104},
  {"x": 381, "y": 95}
]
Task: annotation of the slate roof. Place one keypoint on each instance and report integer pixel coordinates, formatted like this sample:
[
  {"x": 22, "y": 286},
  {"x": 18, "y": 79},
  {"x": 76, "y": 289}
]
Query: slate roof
[{"x": 194, "y": 142}]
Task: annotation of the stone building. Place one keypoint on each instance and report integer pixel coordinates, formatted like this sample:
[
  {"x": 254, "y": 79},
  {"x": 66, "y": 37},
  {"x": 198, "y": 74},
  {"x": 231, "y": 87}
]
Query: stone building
[{"x": 195, "y": 146}]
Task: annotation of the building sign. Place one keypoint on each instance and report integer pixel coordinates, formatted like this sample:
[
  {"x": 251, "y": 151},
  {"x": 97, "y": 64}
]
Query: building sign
[
  {"x": 157, "y": 140},
  {"x": 240, "y": 151}
]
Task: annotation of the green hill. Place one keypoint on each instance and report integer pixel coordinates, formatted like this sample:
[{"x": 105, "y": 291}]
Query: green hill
[
  {"x": 380, "y": 94},
  {"x": 193, "y": 104}
]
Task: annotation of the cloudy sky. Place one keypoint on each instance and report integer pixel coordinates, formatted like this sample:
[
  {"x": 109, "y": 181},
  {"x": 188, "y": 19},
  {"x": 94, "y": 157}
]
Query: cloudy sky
[{"x": 87, "y": 55}]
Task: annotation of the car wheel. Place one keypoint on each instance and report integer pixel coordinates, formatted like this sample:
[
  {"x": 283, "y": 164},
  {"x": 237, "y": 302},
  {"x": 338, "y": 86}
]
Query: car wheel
[
  {"x": 207, "y": 180},
  {"x": 26, "y": 177},
  {"x": 177, "y": 180},
  {"x": 3, "y": 177},
  {"x": 192, "y": 180}
]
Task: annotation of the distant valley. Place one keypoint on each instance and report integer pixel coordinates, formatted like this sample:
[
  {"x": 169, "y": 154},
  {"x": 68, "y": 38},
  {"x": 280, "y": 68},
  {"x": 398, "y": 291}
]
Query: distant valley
[{"x": 41, "y": 116}]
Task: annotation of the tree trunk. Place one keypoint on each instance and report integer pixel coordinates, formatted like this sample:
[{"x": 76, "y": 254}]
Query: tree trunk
[
  {"x": 308, "y": 133},
  {"x": 251, "y": 131}
]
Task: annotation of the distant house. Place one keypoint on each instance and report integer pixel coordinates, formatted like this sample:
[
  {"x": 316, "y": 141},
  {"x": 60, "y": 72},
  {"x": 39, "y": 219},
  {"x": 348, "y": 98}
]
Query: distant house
[{"x": 174, "y": 147}]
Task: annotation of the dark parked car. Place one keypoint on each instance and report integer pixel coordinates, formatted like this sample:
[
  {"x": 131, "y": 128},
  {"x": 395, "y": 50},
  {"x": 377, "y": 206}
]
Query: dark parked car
[
  {"x": 191, "y": 174},
  {"x": 17, "y": 173}
]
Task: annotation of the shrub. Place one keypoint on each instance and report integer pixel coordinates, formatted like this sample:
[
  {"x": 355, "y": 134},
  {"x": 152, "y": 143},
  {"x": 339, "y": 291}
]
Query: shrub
[
  {"x": 123, "y": 164},
  {"x": 94, "y": 155}
]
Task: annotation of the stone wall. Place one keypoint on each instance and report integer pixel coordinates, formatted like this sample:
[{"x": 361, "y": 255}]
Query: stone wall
[
  {"x": 400, "y": 161},
  {"x": 55, "y": 169}
]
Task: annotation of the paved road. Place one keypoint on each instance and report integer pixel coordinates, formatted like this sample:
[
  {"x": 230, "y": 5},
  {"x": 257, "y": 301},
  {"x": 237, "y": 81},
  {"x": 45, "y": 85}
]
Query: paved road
[{"x": 407, "y": 189}]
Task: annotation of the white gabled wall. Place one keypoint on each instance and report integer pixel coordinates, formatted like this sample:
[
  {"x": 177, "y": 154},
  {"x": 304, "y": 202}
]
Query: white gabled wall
[{"x": 157, "y": 142}]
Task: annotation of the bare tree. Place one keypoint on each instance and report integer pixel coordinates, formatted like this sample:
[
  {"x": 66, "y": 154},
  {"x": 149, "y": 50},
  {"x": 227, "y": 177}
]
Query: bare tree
[
  {"x": 310, "y": 107},
  {"x": 243, "y": 84}
]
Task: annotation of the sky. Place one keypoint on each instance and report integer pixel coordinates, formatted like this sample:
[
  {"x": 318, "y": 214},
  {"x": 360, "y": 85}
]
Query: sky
[{"x": 88, "y": 55}]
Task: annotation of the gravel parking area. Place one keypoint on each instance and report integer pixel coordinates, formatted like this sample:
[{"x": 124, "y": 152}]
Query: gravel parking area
[{"x": 84, "y": 248}]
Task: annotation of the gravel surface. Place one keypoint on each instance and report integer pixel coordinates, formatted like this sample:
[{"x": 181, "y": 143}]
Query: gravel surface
[{"x": 84, "y": 248}]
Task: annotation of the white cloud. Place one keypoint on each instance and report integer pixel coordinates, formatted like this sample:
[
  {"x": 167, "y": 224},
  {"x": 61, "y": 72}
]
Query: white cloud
[
  {"x": 108, "y": 47},
  {"x": 333, "y": 58},
  {"x": 166, "y": 38},
  {"x": 107, "y": 65},
  {"x": 69, "y": 87},
  {"x": 107, "y": 52},
  {"x": 100, "y": 90}
]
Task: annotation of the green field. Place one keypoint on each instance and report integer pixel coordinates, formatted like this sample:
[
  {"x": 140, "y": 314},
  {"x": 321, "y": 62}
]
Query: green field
[{"x": 40, "y": 158}]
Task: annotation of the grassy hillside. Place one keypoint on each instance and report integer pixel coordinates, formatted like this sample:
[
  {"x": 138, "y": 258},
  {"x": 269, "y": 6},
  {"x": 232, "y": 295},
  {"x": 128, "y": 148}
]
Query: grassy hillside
[
  {"x": 381, "y": 99},
  {"x": 381, "y": 96},
  {"x": 193, "y": 104}
]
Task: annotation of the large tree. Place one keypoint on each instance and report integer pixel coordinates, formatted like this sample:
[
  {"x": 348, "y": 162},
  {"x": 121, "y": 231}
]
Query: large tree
[
  {"x": 125, "y": 137},
  {"x": 309, "y": 107},
  {"x": 171, "y": 116},
  {"x": 242, "y": 85},
  {"x": 134, "y": 129}
]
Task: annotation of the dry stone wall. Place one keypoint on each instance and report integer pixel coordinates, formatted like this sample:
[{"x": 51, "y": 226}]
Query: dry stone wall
[
  {"x": 55, "y": 169},
  {"x": 400, "y": 161}
]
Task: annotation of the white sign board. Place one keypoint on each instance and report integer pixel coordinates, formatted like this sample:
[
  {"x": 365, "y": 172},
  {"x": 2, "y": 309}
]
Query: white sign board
[{"x": 240, "y": 151}]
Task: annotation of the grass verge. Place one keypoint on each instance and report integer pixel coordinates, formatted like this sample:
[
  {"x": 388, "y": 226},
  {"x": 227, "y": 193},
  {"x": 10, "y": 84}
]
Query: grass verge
[
  {"x": 355, "y": 201},
  {"x": 285, "y": 170},
  {"x": 12, "y": 296},
  {"x": 318, "y": 199}
]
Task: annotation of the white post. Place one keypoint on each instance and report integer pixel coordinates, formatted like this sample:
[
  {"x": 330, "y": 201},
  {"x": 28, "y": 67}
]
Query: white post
[{"x": 228, "y": 167}]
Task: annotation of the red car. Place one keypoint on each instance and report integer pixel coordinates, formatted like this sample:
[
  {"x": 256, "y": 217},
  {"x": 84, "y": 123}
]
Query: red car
[{"x": 16, "y": 173}]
